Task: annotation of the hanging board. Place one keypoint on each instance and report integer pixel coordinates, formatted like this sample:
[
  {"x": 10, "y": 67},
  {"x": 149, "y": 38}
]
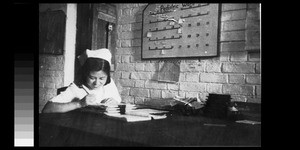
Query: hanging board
[{"x": 180, "y": 30}]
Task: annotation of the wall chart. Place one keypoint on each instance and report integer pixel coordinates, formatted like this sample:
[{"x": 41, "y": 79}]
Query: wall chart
[{"x": 180, "y": 30}]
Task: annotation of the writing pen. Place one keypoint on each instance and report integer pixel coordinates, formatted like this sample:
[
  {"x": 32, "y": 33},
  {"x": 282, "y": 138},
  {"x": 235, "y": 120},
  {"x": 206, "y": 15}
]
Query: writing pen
[
  {"x": 186, "y": 103},
  {"x": 86, "y": 90}
]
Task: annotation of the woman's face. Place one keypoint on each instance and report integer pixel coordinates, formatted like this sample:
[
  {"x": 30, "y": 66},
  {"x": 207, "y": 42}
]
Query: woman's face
[{"x": 96, "y": 79}]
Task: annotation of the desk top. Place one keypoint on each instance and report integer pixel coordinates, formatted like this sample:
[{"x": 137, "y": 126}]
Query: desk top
[{"x": 77, "y": 128}]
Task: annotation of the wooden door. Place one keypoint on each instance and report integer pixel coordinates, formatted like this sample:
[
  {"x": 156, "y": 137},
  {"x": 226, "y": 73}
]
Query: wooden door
[
  {"x": 84, "y": 31},
  {"x": 93, "y": 33},
  {"x": 104, "y": 28}
]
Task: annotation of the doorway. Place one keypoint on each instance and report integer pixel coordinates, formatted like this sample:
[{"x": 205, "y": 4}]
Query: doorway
[{"x": 95, "y": 29}]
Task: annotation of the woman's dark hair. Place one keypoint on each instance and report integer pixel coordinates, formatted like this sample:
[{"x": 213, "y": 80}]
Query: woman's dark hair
[{"x": 92, "y": 64}]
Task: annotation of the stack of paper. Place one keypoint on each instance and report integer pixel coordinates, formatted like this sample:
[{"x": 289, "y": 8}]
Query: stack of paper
[
  {"x": 150, "y": 113},
  {"x": 129, "y": 118},
  {"x": 112, "y": 110},
  {"x": 130, "y": 106},
  {"x": 133, "y": 114}
]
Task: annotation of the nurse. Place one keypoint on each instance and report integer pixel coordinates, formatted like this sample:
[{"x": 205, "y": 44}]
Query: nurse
[{"x": 93, "y": 85}]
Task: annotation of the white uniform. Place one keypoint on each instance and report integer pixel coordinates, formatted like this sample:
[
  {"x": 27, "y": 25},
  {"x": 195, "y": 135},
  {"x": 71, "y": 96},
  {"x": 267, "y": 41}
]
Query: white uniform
[{"x": 74, "y": 92}]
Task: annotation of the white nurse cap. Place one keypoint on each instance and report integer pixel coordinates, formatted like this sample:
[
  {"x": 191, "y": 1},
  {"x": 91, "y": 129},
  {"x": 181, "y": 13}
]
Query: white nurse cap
[{"x": 102, "y": 53}]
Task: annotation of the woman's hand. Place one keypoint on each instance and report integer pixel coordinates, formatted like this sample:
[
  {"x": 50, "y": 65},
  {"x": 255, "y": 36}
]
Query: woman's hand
[
  {"x": 90, "y": 99},
  {"x": 109, "y": 102}
]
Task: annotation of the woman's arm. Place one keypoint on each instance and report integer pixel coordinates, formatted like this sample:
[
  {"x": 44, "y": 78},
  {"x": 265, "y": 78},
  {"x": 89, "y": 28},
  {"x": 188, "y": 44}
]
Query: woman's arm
[
  {"x": 66, "y": 101},
  {"x": 54, "y": 107}
]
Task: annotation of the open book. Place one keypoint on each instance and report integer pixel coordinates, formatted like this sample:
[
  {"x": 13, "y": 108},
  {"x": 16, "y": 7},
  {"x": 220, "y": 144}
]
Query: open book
[
  {"x": 132, "y": 113},
  {"x": 136, "y": 115}
]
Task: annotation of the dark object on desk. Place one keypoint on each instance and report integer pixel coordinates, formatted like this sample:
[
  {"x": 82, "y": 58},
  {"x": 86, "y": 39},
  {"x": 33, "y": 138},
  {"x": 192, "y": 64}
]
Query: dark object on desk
[
  {"x": 122, "y": 108},
  {"x": 217, "y": 105},
  {"x": 191, "y": 107},
  {"x": 248, "y": 111},
  {"x": 183, "y": 106}
]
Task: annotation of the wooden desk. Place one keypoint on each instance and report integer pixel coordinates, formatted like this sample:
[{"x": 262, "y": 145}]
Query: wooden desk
[{"x": 77, "y": 128}]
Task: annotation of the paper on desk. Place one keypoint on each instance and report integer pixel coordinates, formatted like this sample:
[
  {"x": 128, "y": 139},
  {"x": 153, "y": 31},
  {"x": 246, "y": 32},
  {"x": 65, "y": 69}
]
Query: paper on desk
[
  {"x": 139, "y": 115},
  {"x": 128, "y": 118},
  {"x": 112, "y": 109},
  {"x": 130, "y": 106},
  {"x": 152, "y": 113},
  {"x": 248, "y": 122}
]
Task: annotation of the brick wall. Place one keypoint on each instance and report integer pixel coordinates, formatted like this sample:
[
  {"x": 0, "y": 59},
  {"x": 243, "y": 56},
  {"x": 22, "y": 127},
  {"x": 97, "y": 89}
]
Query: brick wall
[
  {"x": 51, "y": 73},
  {"x": 236, "y": 71},
  {"x": 51, "y": 77}
]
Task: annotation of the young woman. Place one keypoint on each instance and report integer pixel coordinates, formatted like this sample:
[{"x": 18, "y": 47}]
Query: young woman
[{"x": 93, "y": 86}]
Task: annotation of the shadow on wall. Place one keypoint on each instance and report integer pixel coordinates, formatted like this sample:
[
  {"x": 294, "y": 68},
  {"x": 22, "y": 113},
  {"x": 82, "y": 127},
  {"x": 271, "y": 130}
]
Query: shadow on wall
[{"x": 168, "y": 71}]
